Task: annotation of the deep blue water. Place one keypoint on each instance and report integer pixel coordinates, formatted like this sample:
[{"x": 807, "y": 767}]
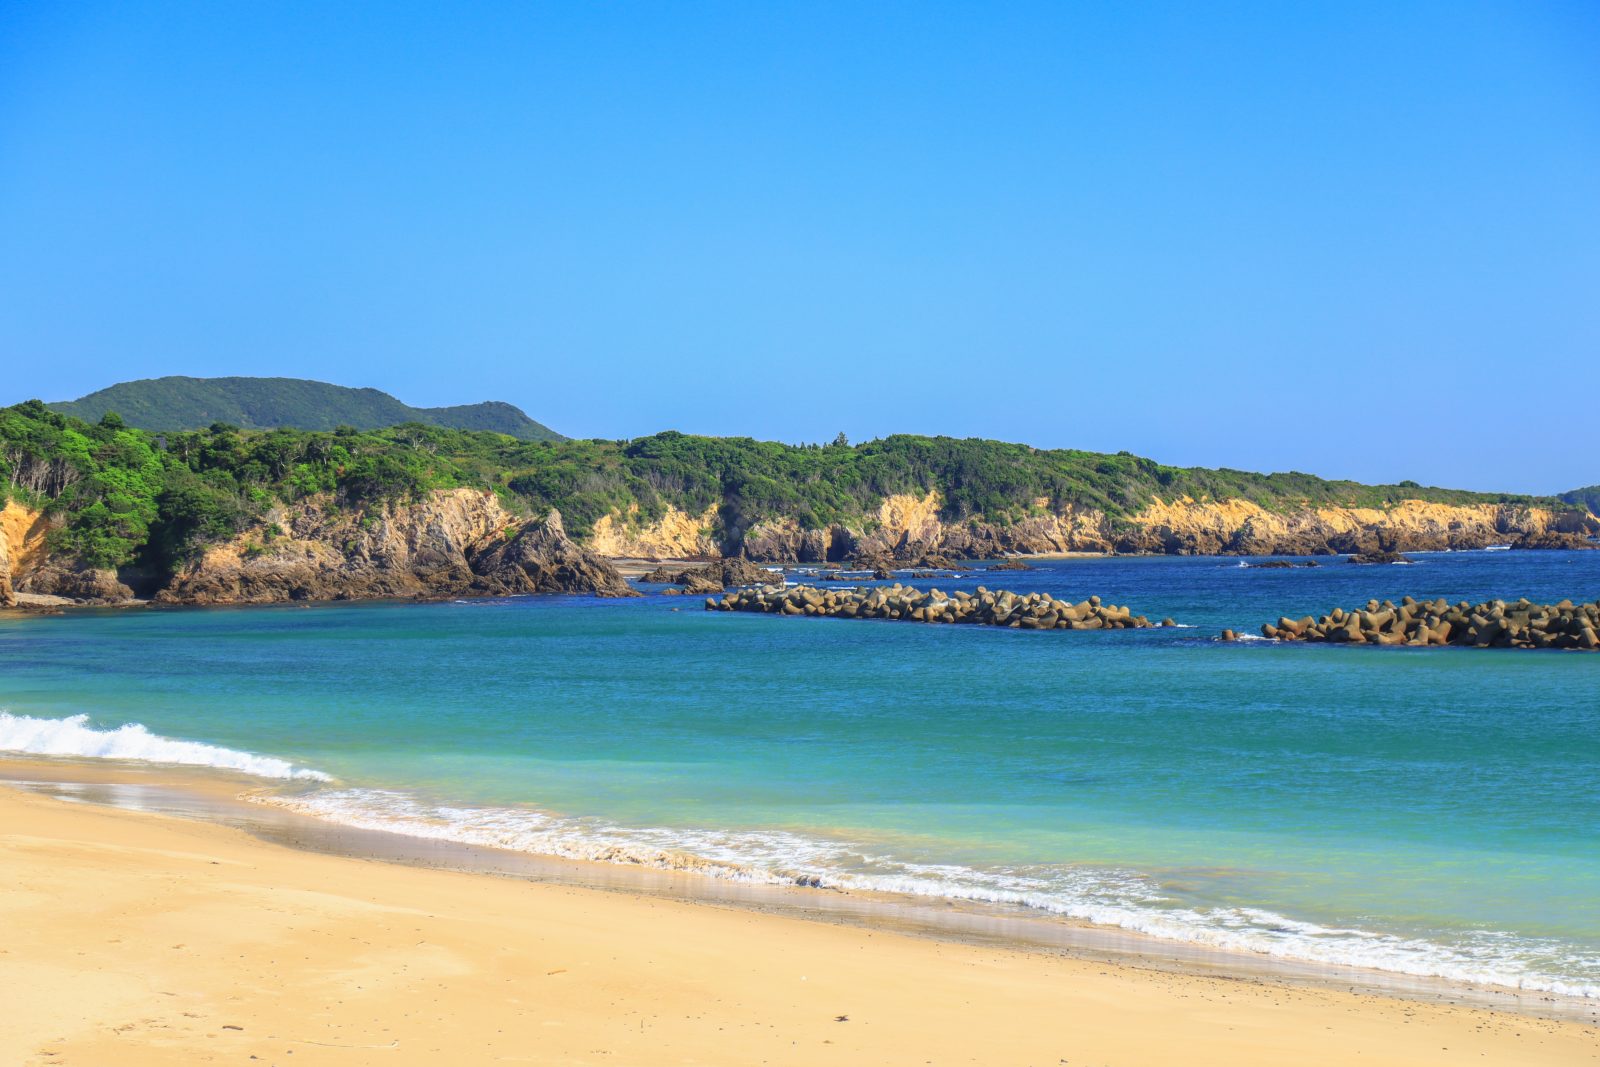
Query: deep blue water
[{"x": 1425, "y": 810}]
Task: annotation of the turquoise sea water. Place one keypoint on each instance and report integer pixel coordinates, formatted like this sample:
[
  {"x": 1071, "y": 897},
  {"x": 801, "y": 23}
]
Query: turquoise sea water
[{"x": 1426, "y": 811}]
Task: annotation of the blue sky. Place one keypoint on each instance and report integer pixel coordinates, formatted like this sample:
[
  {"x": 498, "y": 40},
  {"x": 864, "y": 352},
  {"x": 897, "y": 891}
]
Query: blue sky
[{"x": 1357, "y": 239}]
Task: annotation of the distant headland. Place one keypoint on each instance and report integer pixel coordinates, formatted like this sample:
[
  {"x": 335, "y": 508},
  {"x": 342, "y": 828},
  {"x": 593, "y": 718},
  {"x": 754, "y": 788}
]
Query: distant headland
[{"x": 271, "y": 489}]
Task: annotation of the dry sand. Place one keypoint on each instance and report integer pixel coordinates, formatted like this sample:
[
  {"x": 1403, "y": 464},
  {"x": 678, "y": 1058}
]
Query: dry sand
[{"x": 130, "y": 938}]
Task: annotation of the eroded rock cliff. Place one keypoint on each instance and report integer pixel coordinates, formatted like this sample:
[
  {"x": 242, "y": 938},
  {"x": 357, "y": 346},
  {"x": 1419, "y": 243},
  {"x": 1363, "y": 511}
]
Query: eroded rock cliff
[
  {"x": 25, "y": 563},
  {"x": 451, "y": 543},
  {"x": 676, "y": 535},
  {"x": 911, "y": 528}
]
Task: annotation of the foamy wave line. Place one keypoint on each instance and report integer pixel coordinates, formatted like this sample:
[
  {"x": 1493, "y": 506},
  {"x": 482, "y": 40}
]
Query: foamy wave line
[
  {"x": 1106, "y": 897},
  {"x": 73, "y": 736}
]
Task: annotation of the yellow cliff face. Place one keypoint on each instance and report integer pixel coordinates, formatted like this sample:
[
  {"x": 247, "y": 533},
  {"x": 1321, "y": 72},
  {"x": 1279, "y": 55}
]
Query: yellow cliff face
[
  {"x": 676, "y": 535},
  {"x": 917, "y": 518},
  {"x": 1217, "y": 517},
  {"x": 908, "y": 524},
  {"x": 22, "y": 531},
  {"x": 1412, "y": 517}
]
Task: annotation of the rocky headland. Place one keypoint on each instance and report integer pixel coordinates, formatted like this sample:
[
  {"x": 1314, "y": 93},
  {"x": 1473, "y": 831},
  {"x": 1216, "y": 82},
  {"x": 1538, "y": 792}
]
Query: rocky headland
[
  {"x": 985, "y": 607},
  {"x": 1493, "y": 624},
  {"x": 456, "y": 542}
]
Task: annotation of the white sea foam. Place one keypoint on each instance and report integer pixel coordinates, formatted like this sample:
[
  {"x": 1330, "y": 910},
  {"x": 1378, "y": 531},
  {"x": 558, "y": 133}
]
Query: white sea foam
[
  {"x": 73, "y": 736},
  {"x": 1106, "y": 896}
]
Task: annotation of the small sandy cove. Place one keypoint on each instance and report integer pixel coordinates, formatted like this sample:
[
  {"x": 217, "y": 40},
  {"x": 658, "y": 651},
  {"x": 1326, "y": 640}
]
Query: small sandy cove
[{"x": 130, "y": 938}]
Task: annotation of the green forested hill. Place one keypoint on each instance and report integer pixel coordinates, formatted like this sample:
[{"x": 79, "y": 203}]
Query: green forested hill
[
  {"x": 1587, "y": 497},
  {"x": 122, "y": 494},
  {"x": 178, "y": 403}
]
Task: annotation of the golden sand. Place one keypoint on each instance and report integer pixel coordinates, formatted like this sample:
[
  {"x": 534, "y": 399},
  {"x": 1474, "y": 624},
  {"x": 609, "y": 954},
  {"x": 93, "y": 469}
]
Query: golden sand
[{"x": 130, "y": 938}]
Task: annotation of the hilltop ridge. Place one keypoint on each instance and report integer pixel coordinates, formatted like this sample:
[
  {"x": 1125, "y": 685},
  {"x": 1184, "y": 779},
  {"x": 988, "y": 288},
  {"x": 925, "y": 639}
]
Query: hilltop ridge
[{"x": 181, "y": 403}]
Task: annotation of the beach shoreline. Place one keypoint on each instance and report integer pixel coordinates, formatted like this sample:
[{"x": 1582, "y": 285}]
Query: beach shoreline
[{"x": 116, "y": 804}]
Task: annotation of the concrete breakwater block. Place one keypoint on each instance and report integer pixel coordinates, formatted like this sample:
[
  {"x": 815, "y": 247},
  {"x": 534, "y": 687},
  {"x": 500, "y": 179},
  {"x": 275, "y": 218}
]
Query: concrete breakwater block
[
  {"x": 985, "y": 607},
  {"x": 1492, "y": 624}
]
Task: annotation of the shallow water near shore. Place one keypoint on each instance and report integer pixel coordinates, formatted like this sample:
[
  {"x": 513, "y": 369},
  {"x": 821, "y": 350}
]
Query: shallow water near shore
[{"x": 1423, "y": 811}]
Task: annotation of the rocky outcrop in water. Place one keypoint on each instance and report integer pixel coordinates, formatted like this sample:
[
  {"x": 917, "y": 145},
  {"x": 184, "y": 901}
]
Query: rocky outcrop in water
[
  {"x": 1370, "y": 558},
  {"x": 1493, "y": 624},
  {"x": 452, "y": 543},
  {"x": 540, "y": 558},
  {"x": 713, "y": 577},
  {"x": 1030, "y": 611}
]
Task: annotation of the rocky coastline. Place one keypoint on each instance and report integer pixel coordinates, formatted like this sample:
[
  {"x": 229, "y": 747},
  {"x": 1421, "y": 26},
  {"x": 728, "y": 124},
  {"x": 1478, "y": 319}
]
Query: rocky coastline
[
  {"x": 985, "y": 607},
  {"x": 452, "y": 543},
  {"x": 914, "y": 531},
  {"x": 463, "y": 542}
]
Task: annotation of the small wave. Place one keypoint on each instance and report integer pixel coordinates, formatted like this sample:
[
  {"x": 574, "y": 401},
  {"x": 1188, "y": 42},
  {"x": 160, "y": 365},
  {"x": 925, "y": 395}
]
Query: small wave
[
  {"x": 1102, "y": 895},
  {"x": 73, "y": 736}
]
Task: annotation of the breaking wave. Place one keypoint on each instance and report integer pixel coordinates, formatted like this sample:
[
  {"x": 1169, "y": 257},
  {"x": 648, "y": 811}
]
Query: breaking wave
[{"x": 73, "y": 736}]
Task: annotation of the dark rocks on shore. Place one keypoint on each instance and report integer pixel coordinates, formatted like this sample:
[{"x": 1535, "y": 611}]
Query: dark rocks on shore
[
  {"x": 1030, "y": 611},
  {"x": 1281, "y": 564},
  {"x": 1554, "y": 539},
  {"x": 1493, "y": 624},
  {"x": 92, "y": 585},
  {"x": 1009, "y": 565},
  {"x": 661, "y": 576},
  {"x": 713, "y": 577},
  {"x": 541, "y": 558},
  {"x": 883, "y": 564}
]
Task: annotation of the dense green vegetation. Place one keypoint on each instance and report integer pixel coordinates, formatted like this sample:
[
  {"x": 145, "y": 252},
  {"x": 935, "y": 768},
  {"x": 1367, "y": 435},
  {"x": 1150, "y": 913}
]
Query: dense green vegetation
[
  {"x": 1587, "y": 497},
  {"x": 126, "y": 495},
  {"x": 271, "y": 403}
]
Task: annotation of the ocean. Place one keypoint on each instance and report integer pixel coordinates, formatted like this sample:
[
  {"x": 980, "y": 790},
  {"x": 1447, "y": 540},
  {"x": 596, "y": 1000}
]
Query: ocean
[{"x": 1423, "y": 811}]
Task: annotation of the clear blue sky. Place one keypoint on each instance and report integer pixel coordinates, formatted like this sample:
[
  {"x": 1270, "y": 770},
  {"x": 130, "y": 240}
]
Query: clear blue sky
[{"x": 1358, "y": 239}]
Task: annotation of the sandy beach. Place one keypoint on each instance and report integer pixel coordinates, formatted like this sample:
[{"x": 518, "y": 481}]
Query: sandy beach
[{"x": 136, "y": 938}]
